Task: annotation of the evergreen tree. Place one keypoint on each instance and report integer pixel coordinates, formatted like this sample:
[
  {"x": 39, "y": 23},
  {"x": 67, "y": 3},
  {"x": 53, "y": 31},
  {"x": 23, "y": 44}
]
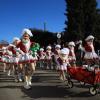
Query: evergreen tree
[
  {"x": 89, "y": 16},
  {"x": 75, "y": 19},
  {"x": 81, "y": 19},
  {"x": 97, "y": 29}
]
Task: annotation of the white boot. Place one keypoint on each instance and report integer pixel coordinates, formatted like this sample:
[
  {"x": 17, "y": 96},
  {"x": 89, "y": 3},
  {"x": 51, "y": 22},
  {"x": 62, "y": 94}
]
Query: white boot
[
  {"x": 29, "y": 81},
  {"x": 9, "y": 72},
  {"x": 26, "y": 86},
  {"x": 19, "y": 77}
]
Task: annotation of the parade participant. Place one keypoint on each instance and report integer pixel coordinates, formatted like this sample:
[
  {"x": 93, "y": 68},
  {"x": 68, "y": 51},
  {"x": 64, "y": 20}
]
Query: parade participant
[
  {"x": 35, "y": 48},
  {"x": 1, "y": 53},
  {"x": 72, "y": 57},
  {"x": 48, "y": 57},
  {"x": 63, "y": 62},
  {"x": 56, "y": 54},
  {"x": 7, "y": 58},
  {"x": 12, "y": 55},
  {"x": 15, "y": 57},
  {"x": 4, "y": 58},
  {"x": 26, "y": 60},
  {"x": 90, "y": 55},
  {"x": 79, "y": 51},
  {"x": 41, "y": 54}
]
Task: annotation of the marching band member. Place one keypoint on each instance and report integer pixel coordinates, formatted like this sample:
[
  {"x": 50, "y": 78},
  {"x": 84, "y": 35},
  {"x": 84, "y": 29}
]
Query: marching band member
[
  {"x": 90, "y": 54},
  {"x": 63, "y": 62},
  {"x": 72, "y": 57}
]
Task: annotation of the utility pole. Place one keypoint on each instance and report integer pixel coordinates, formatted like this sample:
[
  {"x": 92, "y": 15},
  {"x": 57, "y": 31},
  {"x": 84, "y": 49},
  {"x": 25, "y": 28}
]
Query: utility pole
[{"x": 44, "y": 26}]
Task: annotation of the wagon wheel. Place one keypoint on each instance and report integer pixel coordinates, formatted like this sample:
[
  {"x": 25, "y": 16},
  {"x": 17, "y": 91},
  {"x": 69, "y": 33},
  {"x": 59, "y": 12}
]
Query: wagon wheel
[
  {"x": 70, "y": 84},
  {"x": 93, "y": 90},
  {"x": 82, "y": 83},
  {"x": 66, "y": 82}
]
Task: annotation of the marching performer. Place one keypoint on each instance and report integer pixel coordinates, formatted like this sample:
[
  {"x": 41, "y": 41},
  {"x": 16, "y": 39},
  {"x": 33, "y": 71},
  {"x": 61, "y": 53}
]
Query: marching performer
[
  {"x": 4, "y": 58},
  {"x": 72, "y": 57},
  {"x": 56, "y": 54},
  {"x": 15, "y": 56},
  {"x": 41, "y": 57},
  {"x": 90, "y": 54},
  {"x": 35, "y": 48},
  {"x": 26, "y": 60},
  {"x": 48, "y": 57},
  {"x": 7, "y": 58},
  {"x": 79, "y": 51},
  {"x": 63, "y": 62}
]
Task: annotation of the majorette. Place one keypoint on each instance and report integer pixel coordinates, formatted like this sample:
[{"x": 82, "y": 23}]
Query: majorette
[
  {"x": 24, "y": 45},
  {"x": 63, "y": 60},
  {"x": 89, "y": 49},
  {"x": 48, "y": 53},
  {"x": 41, "y": 54},
  {"x": 72, "y": 57}
]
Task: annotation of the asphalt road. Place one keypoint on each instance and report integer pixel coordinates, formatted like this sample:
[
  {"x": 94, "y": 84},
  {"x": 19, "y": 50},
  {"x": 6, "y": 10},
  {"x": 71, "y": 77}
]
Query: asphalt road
[{"x": 45, "y": 86}]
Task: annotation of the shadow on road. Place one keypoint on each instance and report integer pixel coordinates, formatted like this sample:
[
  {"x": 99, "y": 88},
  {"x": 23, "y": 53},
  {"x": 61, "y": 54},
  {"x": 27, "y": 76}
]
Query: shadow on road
[{"x": 52, "y": 92}]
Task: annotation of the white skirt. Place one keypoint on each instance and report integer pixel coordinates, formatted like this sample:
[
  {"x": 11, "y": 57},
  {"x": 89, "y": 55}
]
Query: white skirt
[
  {"x": 90, "y": 55},
  {"x": 16, "y": 60},
  {"x": 63, "y": 67},
  {"x": 26, "y": 58},
  {"x": 7, "y": 59}
]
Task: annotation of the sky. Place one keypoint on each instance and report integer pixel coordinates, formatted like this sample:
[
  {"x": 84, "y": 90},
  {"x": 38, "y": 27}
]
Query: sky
[{"x": 15, "y": 15}]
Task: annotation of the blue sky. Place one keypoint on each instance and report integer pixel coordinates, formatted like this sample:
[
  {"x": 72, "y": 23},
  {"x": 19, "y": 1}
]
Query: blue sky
[{"x": 18, "y": 14}]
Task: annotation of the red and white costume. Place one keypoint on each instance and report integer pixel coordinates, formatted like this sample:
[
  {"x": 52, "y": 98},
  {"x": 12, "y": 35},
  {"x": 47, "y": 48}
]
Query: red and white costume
[
  {"x": 89, "y": 49},
  {"x": 15, "y": 54},
  {"x": 63, "y": 61},
  {"x": 7, "y": 55},
  {"x": 49, "y": 54},
  {"x": 72, "y": 57},
  {"x": 26, "y": 55},
  {"x": 41, "y": 54},
  {"x": 57, "y": 52},
  {"x": 1, "y": 54}
]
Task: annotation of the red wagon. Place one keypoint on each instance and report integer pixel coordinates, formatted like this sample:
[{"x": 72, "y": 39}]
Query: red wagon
[{"x": 87, "y": 76}]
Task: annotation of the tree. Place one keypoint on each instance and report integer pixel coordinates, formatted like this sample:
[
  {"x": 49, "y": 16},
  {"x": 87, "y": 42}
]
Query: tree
[
  {"x": 80, "y": 19},
  {"x": 90, "y": 16},
  {"x": 97, "y": 29},
  {"x": 44, "y": 38},
  {"x": 75, "y": 19}
]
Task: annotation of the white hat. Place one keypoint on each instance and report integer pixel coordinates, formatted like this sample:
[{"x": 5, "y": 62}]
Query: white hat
[
  {"x": 48, "y": 47},
  {"x": 89, "y": 37},
  {"x": 27, "y": 31},
  {"x": 4, "y": 48},
  {"x": 11, "y": 45},
  {"x": 64, "y": 51},
  {"x": 57, "y": 46},
  {"x": 41, "y": 49},
  {"x": 71, "y": 43},
  {"x": 79, "y": 42},
  {"x": 16, "y": 38}
]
